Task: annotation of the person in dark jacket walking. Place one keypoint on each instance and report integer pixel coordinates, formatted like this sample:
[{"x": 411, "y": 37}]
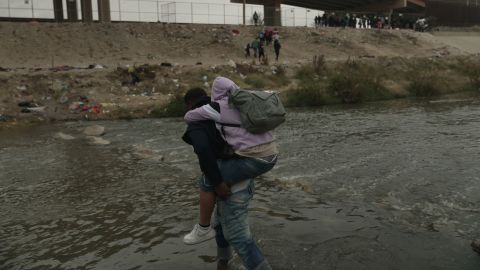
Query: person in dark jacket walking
[
  {"x": 261, "y": 51},
  {"x": 276, "y": 47},
  {"x": 247, "y": 50}
]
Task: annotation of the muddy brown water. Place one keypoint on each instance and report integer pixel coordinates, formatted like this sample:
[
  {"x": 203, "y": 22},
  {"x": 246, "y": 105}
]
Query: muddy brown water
[{"x": 392, "y": 185}]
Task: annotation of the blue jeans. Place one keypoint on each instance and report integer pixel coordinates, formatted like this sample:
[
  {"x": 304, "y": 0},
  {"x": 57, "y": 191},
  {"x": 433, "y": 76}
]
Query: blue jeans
[
  {"x": 233, "y": 231},
  {"x": 237, "y": 170}
]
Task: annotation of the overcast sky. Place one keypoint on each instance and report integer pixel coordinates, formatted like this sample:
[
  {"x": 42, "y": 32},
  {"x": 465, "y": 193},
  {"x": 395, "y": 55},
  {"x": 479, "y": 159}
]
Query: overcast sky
[{"x": 179, "y": 11}]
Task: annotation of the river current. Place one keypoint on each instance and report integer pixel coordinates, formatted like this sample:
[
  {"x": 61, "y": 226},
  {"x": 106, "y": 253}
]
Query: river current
[{"x": 389, "y": 185}]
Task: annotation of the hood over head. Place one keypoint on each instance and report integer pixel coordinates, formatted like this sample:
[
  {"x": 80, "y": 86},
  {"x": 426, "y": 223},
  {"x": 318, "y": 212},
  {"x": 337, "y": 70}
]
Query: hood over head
[{"x": 221, "y": 86}]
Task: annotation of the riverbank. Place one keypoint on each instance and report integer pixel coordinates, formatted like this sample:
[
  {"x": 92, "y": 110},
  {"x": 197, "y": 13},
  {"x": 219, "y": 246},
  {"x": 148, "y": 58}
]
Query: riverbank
[
  {"x": 128, "y": 71},
  {"x": 149, "y": 91}
]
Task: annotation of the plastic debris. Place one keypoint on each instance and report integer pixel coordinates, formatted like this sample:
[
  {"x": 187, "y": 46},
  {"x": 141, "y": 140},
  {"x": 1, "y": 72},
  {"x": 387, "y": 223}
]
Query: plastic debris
[{"x": 6, "y": 118}]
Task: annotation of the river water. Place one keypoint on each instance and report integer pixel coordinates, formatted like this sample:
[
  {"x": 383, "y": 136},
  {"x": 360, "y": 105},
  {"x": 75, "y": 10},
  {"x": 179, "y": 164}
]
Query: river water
[{"x": 390, "y": 185}]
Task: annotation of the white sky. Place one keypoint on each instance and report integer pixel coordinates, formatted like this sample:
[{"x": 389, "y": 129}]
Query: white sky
[{"x": 180, "y": 11}]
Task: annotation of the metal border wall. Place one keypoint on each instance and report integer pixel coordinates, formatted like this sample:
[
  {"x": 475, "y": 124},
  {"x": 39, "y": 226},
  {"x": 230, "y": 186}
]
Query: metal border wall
[{"x": 159, "y": 11}]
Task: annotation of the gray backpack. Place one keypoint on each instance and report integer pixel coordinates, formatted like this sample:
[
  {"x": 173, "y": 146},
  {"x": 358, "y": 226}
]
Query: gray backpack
[{"x": 260, "y": 111}]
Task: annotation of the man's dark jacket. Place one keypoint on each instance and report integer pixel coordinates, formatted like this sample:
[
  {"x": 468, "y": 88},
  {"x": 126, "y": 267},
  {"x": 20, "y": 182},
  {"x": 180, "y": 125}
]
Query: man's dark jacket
[{"x": 208, "y": 144}]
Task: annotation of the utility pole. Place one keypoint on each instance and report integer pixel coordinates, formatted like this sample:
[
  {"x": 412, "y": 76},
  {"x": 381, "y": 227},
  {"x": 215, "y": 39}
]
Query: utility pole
[
  {"x": 57, "y": 10},
  {"x": 87, "y": 12},
  {"x": 244, "y": 4},
  {"x": 104, "y": 10},
  {"x": 72, "y": 10}
]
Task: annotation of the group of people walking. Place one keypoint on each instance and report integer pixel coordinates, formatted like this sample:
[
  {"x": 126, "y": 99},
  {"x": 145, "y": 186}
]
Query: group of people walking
[
  {"x": 351, "y": 20},
  {"x": 261, "y": 41},
  {"x": 365, "y": 21}
]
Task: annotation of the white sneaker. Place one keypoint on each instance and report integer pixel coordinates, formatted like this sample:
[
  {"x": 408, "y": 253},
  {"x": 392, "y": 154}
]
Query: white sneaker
[{"x": 199, "y": 235}]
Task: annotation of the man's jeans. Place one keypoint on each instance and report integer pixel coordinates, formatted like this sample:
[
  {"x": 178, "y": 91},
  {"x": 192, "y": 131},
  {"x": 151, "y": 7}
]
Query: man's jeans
[{"x": 232, "y": 214}]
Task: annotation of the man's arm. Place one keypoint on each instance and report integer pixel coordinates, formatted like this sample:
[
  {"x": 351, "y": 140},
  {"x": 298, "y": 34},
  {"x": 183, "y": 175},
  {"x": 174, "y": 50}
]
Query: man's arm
[{"x": 206, "y": 112}]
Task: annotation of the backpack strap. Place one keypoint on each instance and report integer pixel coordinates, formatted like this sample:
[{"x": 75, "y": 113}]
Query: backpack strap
[
  {"x": 229, "y": 125},
  {"x": 222, "y": 128}
]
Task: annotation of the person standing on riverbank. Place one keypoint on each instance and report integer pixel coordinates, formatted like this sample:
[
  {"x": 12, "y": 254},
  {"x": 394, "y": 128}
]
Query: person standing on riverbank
[
  {"x": 247, "y": 50},
  {"x": 255, "y": 45},
  {"x": 261, "y": 51},
  {"x": 255, "y": 18}
]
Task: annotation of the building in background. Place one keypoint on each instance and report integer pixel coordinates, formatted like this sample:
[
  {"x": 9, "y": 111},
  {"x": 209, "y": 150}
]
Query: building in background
[{"x": 273, "y": 12}]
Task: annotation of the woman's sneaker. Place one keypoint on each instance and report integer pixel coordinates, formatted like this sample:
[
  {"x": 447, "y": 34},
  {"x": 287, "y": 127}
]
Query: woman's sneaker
[{"x": 199, "y": 234}]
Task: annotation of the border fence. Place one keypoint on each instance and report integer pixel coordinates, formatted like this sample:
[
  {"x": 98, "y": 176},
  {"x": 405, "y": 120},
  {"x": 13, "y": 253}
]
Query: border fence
[{"x": 161, "y": 11}]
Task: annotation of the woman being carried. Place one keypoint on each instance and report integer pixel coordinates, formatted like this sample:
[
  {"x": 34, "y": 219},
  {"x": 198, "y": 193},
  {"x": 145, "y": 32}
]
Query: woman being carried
[{"x": 257, "y": 153}]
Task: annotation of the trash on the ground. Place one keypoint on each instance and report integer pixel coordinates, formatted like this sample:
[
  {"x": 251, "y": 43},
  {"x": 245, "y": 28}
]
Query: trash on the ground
[
  {"x": 75, "y": 105},
  {"x": 95, "y": 130},
  {"x": 85, "y": 105},
  {"x": 63, "y": 99},
  {"x": 61, "y": 68},
  {"x": 107, "y": 105},
  {"x": 34, "y": 109},
  {"x": 95, "y": 66},
  {"x": 6, "y": 118},
  {"x": 26, "y": 104},
  {"x": 166, "y": 64},
  {"x": 232, "y": 63},
  {"x": 22, "y": 87}
]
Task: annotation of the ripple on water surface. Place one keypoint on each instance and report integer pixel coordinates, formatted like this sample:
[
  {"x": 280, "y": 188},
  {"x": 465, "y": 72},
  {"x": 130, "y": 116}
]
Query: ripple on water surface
[{"x": 348, "y": 180}]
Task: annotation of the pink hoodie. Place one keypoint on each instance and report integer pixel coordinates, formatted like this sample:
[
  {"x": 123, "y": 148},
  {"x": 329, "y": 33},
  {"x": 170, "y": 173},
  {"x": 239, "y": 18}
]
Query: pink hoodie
[{"x": 238, "y": 138}]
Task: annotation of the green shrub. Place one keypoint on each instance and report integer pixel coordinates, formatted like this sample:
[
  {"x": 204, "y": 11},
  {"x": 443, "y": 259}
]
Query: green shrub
[
  {"x": 280, "y": 78},
  {"x": 174, "y": 108},
  {"x": 424, "y": 83},
  {"x": 471, "y": 68},
  {"x": 308, "y": 94},
  {"x": 305, "y": 73},
  {"x": 255, "y": 81},
  {"x": 354, "y": 82},
  {"x": 319, "y": 66}
]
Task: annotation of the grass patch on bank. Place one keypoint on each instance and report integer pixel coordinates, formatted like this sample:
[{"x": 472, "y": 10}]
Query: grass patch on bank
[
  {"x": 308, "y": 94},
  {"x": 174, "y": 108},
  {"x": 471, "y": 69},
  {"x": 423, "y": 78},
  {"x": 424, "y": 84},
  {"x": 348, "y": 82},
  {"x": 354, "y": 82},
  {"x": 256, "y": 81}
]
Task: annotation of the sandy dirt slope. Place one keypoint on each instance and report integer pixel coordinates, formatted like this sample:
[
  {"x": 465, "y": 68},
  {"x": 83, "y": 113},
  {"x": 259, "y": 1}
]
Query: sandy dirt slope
[
  {"x": 46, "y": 44},
  {"x": 468, "y": 42},
  {"x": 29, "y": 50}
]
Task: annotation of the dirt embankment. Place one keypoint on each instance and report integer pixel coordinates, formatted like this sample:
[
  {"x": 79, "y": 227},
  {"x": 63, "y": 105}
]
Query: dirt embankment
[
  {"x": 94, "y": 71},
  {"x": 44, "y": 44}
]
